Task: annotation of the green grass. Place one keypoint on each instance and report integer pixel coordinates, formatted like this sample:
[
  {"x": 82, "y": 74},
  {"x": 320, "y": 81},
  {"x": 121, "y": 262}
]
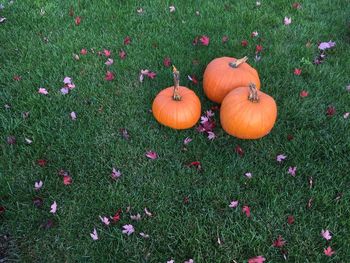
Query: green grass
[{"x": 89, "y": 147}]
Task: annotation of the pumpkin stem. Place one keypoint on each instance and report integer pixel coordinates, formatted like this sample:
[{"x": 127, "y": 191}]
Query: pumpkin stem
[
  {"x": 176, "y": 95},
  {"x": 235, "y": 64},
  {"x": 253, "y": 93}
]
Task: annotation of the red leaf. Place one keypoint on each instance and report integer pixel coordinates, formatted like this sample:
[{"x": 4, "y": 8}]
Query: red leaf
[
  {"x": 127, "y": 40},
  {"x": 2, "y": 210},
  {"x": 290, "y": 220},
  {"x": 186, "y": 200},
  {"x": 122, "y": 54},
  {"x": 167, "y": 62},
  {"x": 244, "y": 43},
  {"x": 151, "y": 74},
  {"x": 42, "y": 162},
  {"x": 279, "y": 242},
  {"x": 328, "y": 251},
  {"x": 239, "y": 150},
  {"x": 17, "y": 77},
  {"x": 204, "y": 40},
  {"x": 246, "y": 210},
  {"x": 297, "y": 71},
  {"x": 195, "y": 164},
  {"x": 116, "y": 216},
  {"x": 304, "y": 93},
  {"x": 258, "y": 48},
  {"x": 83, "y": 51},
  {"x": 78, "y": 20},
  {"x": 109, "y": 76},
  {"x": 330, "y": 111},
  {"x": 67, "y": 180}
]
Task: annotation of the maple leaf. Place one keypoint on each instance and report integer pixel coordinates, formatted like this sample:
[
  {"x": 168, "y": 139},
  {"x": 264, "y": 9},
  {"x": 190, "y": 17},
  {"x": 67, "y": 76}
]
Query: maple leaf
[
  {"x": 326, "y": 45},
  {"x": 42, "y": 162},
  {"x": 287, "y": 21},
  {"x": 151, "y": 74},
  {"x": 151, "y": 155},
  {"x": 244, "y": 43},
  {"x": 38, "y": 185},
  {"x": 104, "y": 220},
  {"x": 127, "y": 40},
  {"x": 304, "y": 93},
  {"x": 233, "y": 204},
  {"x": 53, "y": 208},
  {"x": 17, "y": 77},
  {"x": 292, "y": 170},
  {"x": 67, "y": 180},
  {"x": 297, "y": 71},
  {"x": 290, "y": 220},
  {"x": 77, "y": 20},
  {"x": 109, "y": 76},
  {"x": 211, "y": 135},
  {"x": 83, "y": 51},
  {"x": 326, "y": 234},
  {"x": 328, "y": 251},
  {"x": 167, "y": 62},
  {"x": 94, "y": 234},
  {"x": 195, "y": 164},
  {"x": 43, "y": 91},
  {"x": 330, "y": 111},
  {"x": 107, "y": 52},
  {"x": 204, "y": 40},
  {"x": 116, "y": 216},
  {"x": 115, "y": 174},
  {"x": 279, "y": 242},
  {"x": 246, "y": 210},
  {"x": 258, "y": 48},
  {"x": 239, "y": 150},
  {"x": 280, "y": 158},
  {"x": 258, "y": 259},
  {"x": 122, "y": 54},
  {"x": 128, "y": 229},
  {"x": 109, "y": 62}
]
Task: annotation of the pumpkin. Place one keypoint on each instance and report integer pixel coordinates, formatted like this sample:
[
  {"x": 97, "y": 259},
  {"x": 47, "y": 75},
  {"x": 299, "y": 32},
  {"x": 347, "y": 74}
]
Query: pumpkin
[
  {"x": 225, "y": 74},
  {"x": 177, "y": 107},
  {"x": 248, "y": 113}
]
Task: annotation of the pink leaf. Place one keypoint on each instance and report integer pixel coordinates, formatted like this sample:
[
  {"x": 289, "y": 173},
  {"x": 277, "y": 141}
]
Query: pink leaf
[
  {"x": 151, "y": 75},
  {"x": 254, "y": 34},
  {"x": 280, "y": 158},
  {"x": 94, "y": 234},
  {"x": 43, "y": 91},
  {"x": 279, "y": 242},
  {"x": 109, "y": 76},
  {"x": 258, "y": 259},
  {"x": 167, "y": 62},
  {"x": 326, "y": 234},
  {"x": 211, "y": 135},
  {"x": 290, "y": 220},
  {"x": 234, "y": 204},
  {"x": 65, "y": 90},
  {"x": 151, "y": 155},
  {"x": 38, "y": 185},
  {"x": 204, "y": 40},
  {"x": 53, "y": 208},
  {"x": 287, "y": 21},
  {"x": 107, "y": 52},
  {"x": 67, "y": 80},
  {"x": 73, "y": 115},
  {"x": 292, "y": 170},
  {"x": 297, "y": 71},
  {"x": 187, "y": 140},
  {"x": 248, "y": 175},
  {"x": 67, "y": 180},
  {"x": 128, "y": 229},
  {"x": 115, "y": 174},
  {"x": 304, "y": 93},
  {"x": 83, "y": 51},
  {"x": 328, "y": 251},
  {"x": 109, "y": 62},
  {"x": 122, "y": 54},
  {"x": 104, "y": 220}
]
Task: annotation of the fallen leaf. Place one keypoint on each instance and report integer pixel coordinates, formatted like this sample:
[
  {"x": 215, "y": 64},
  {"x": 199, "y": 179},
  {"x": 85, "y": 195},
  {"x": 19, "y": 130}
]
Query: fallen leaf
[
  {"x": 297, "y": 71},
  {"x": 290, "y": 220},
  {"x": 148, "y": 213},
  {"x": 53, "y": 208},
  {"x": 135, "y": 217},
  {"x": 204, "y": 40},
  {"x": 287, "y": 21},
  {"x": 292, "y": 170},
  {"x": 115, "y": 174},
  {"x": 17, "y": 78},
  {"x": 326, "y": 234},
  {"x": 151, "y": 155},
  {"x": 78, "y": 20},
  {"x": 167, "y": 62},
  {"x": 41, "y": 162},
  {"x": 73, "y": 115},
  {"x": 328, "y": 251},
  {"x": 128, "y": 229},
  {"x": 279, "y": 242},
  {"x": 258, "y": 259},
  {"x": 233, "y": 204},
  {"x": 330, "y": 111},
  {"x": 104, "y": 220},
  {"x": 94, "y": 234},
  {"x": 311, "y": 182},
  {"x": 246, "y": 210},
  {"x": 67, "y": 180},
  {"x": 38, "y": 185},
  {"x": 258, "y": 48},
  {"x": 109, "y": 62},
  {"x": 296, "y": 5},
  {"x": 304, "y": 93},
  {"x": 11, "y": 140},
  {"x": 127, "y": 40},
  {"x": 144, "y": 235},
  {"x": 125, "y": 134},
  {"x": 2, "y": 210},
  {"x": 83, "y": 51},
  {"x": 43, "y": 91},
  {"x": 281, "y": 157},
  {"x": 28, "y": 141},
  {"x": 244, "y": 43},
  {"x": 122, "y": 54},
  {"x": 109, "y": 76},
  {"x": 239, "y": 150}
]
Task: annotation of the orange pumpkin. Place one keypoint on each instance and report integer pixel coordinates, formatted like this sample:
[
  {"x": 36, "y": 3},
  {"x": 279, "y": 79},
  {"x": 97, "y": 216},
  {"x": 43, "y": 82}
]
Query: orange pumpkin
[
  {"x": 225, "y": 74},
  {"x": 248, "y": 113},
  {"x": 177, "y": 107}
]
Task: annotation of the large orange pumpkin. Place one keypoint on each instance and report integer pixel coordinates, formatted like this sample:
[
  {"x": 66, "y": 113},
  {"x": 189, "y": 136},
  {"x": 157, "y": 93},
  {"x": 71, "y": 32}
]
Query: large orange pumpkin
[
  {"x": 225, "y": 74},
  {"x": 177, "y": 107},
  {"x": 248, "y": 113}
]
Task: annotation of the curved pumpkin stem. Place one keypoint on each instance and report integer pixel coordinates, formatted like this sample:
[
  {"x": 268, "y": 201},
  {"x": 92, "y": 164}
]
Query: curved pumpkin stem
[
  {"x": 238, "y": 62},
  {"x": 176, "y": 95},
  {"x": 253, "y": 93}
]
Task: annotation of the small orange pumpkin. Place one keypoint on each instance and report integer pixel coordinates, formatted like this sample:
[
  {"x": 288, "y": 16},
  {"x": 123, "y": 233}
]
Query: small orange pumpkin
[
  {"x": 247, "y": 113},
  {"x": 225, "y": 74},
  {"x": 177, "y": 107}
]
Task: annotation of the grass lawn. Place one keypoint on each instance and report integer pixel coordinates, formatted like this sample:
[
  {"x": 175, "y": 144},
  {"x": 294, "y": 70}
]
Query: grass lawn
[{"x": 191, "y": 217}]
